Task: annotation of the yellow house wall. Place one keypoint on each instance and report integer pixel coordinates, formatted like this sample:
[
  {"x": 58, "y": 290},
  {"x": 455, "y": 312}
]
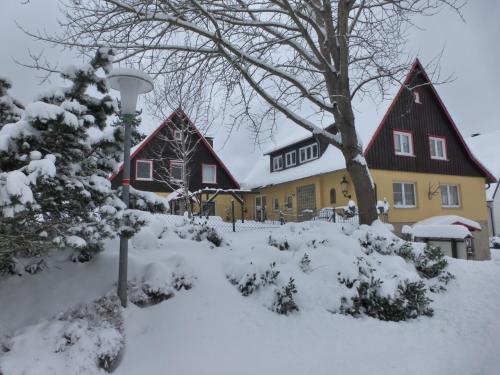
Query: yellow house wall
[{"x": 472, "y": 195}]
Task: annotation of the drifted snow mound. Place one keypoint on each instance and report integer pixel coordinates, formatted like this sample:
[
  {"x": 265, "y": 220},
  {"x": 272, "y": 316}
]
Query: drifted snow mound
[{"x": 85, "y": 340}]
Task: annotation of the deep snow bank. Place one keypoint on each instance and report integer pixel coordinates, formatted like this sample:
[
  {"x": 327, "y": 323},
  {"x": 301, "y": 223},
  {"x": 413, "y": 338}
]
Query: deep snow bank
[{"x": 213, "y": 329}]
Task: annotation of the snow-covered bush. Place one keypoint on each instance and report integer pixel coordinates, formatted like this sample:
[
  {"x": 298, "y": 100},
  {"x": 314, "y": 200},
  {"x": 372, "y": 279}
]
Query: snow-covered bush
[
  {"x": 11, "y": 109},
  {"x": 79, "y": 341},
  {"x": 431, "y": 262},
  {"x": 252, "y": 281},
  {"x": 199, "y": 232},
  {"x": 281, "y": 244},
  {"x": 305, "y": 263},
  {"x": 283, "y": 299},
  {"x": 495, "y": 242},
  {"x": 407, "y": 301}
]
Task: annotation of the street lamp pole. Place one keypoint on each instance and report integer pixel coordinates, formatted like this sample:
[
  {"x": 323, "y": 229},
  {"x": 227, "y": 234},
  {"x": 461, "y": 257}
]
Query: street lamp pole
[{"x": 131, "y": 83}]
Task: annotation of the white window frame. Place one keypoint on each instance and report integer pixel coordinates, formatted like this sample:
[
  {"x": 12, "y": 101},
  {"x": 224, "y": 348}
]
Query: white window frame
[
  {"x": 293, "y": 155},
  {"x": 177, "y": 162},
  {"x": 448, "y": 193},
  {"x": 305, "y": 148},
  {"x": 277, "y": 160},
  {"x": 150, "y": 162},
  {"x": 445, "y": 151},
  {"x": 400, "y": 133},
  {"x": 178, "y": 135},
  {"x": 203, "y": 180},
  {"x": 404, "y": 205}
]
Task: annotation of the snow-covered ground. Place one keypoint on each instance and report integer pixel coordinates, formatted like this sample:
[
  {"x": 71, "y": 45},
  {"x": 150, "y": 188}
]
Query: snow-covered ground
[{"x": 213, "y": 329}]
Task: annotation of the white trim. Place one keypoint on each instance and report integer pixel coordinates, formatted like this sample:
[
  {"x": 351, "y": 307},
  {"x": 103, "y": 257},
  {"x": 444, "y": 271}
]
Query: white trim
[
  {"x": 150, "y": 162},
  {"x": 311, "y": 146},
  {"x": 410, "y": 142},
  {"x": 294, "y": 154},
  {"x": 404, "y": 205},
  {"x": 448, "y": 193},
  {"x": 276, "y": 160},
  {"x": 203, "y": 174},
  {"x": 443, "y": 141}
]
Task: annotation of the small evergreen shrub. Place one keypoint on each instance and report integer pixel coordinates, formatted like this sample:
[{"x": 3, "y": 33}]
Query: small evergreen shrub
[
  {"x": 408, "y": 302},
  {"x": 251, "y": 282},
  {"x": 283, "y": 299},
  {"x": 431, "y": 263},
  {"x": 279, "y": 244},
  {"x": 200, "y": 232},
  {"x": 370, "y": 243},
  {"x": 406, "y": 252},
  {"x": 305, "y": 263}
]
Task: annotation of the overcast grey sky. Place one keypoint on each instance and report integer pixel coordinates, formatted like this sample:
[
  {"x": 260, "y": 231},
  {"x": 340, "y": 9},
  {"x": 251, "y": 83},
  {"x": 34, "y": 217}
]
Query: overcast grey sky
[{"x": 471, "y": 54}]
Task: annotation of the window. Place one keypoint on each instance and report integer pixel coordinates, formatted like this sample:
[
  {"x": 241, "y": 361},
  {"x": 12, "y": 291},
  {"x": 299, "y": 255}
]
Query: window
[
  {"x": 289, "y": 202},
  {"x": 209, "y": 173},
  {"x": 144, "y": 170},
  {"x": 450, "y": 196},
  {"x": 276, "y": 204},
  {"x": 403, "y": 143},
  {"x": 333, "y": 196},
  {"x": 290, "y": 158},
  {"x": 176, "y": 170},
  {"x": 404, "y": 194},
  {"x": 438, "y": 148},
  {"x": 277, "y": 163},
  {"x": 178, "y": 135},
  {"x": 308, "y": 153}
]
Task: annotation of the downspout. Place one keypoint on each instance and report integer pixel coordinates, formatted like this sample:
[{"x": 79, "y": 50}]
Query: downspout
[{"x": 492, "y": 219}]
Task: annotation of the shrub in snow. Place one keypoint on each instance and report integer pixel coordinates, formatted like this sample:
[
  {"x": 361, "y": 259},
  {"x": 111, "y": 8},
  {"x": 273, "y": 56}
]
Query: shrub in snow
[
  {"x": 281, "y": 244},
  {"x": 11, "y": 110},
  {"x": 315, "y": 243},
  {"x": 75, "y": 342},
  {"x": 371, "y": 242},
  {"x": 181, "y": 281},
  {"x": 495, "y": 242},
  {"x": 431, "y": 263},
  {"x": 252, "y": 281},
  {"x": 283, "y": 299},
  {"x": 407, "y": 301},
  {"x": 55, "y": 164},
  {"x": 199, "y": 232},
  {"x": 406, "y": 251},
  {"x": 305, "y": 263}
]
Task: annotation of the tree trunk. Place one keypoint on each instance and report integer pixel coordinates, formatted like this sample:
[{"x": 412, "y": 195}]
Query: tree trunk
[{"x": 365, "y": 192}]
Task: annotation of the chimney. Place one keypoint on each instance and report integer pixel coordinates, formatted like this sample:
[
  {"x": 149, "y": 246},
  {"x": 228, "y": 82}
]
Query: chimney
[{"x": 210, "y": 141}]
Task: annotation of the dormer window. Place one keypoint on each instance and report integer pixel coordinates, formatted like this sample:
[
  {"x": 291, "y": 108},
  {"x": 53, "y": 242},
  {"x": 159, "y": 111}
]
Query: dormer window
[
  {"x": 309, "y": 152},
  {"x": 277, "y": 163},
  {"x": 438, "y": 148},
  {"x": 403, "y": 143},
  {"x": 290, "y": 159}
]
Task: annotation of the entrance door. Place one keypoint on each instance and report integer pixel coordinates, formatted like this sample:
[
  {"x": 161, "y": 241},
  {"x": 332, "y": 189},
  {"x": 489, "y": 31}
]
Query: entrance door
[
  {"x": 260, "y": 208},
  {"x": 306, "y": 202}
]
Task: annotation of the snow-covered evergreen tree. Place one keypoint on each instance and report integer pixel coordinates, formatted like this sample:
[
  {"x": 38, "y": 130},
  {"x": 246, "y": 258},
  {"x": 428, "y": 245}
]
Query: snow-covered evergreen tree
[
  {"x": 55, "y": 164},
  {"x": 11, "y": 109}
]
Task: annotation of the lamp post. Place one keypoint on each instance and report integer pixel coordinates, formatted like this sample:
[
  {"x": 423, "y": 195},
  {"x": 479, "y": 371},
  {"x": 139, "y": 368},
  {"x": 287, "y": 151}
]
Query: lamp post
[{"x": 131, "y": 83}]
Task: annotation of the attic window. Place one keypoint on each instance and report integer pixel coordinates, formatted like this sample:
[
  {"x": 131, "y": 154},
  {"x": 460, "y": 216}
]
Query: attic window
[
  {"x": 307, "y": 153},
  {"x": 416, "y": 97},
  {"x": 438, "y": 148},
  {"x": 403, "y": 143},
  {"x": 277, "y": 163},
  {"x": 144, "y": 170},
  {"x": 177, "y": 135}
]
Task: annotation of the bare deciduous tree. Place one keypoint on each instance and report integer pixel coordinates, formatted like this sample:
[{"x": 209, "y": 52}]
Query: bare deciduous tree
[
  {"x": 270, "y": 56},
  {"x": 173, "y": 153}
]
